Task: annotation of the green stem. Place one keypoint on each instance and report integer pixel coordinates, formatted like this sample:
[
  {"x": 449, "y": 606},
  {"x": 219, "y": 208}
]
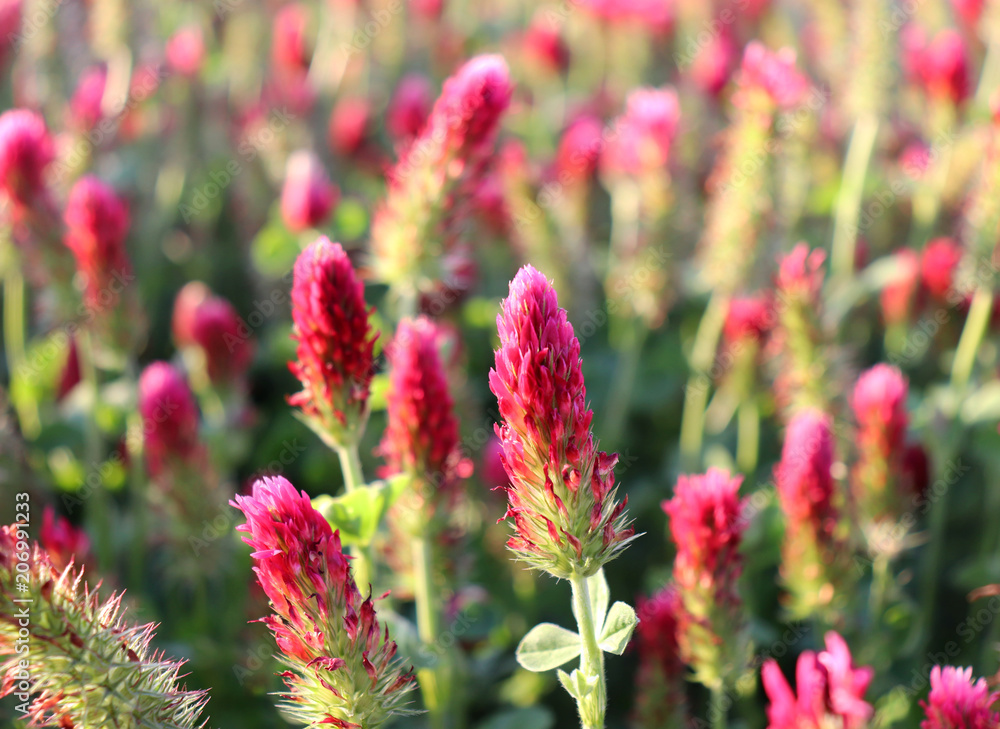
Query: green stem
[
  {"x": 13, "y": 342},
  {"x": 363, "y": 565},
  {"x": 748, "y": 435},
  {"x": 852, "y": 185},
  {"x": 433, "y": 681},
  {"x": 972, "y": 335},
  {"x": 99, "y": 511},
  {"x": 696, "y": 393},
  {"x": 591, "y": 656},
  {"x": 717, "y": 707}
]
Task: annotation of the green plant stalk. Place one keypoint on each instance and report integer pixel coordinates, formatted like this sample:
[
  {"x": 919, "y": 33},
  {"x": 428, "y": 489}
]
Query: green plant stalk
[
  {"x": 350, "y": 465},
  {"x": 99, "y": 511},
  {"x": 696, "y": 393},
  {"x": 747, "y": 435},
  {"x": 433, "y": 681},
  {"x": 717, "y": 707},
  {"x": 592, "y": 708},
  {"x": 852, "y": 184},
  {"x": 972, "y": 335},
  {"x": 13, "y": 343}
]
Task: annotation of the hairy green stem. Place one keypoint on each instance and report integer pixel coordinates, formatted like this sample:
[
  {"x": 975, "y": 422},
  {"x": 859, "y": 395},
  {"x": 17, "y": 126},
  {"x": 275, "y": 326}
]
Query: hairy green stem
[
  {"x": 696, "y": 393},
  {"x": 852, "y": 185},
  {"x": 591, "y": 656}
]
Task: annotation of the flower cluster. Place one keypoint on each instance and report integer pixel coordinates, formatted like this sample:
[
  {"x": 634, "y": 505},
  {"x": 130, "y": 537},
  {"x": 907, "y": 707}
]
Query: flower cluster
[
  {"x": 830, "y": 691},
  {"x": 342, "y": 667},
  {"x": 308, "y": 196},
  {"x": 170, "y": 419},
  {"x": 334, "y": 356},
  {"x": 209, "y": 325},
  {"x": 26, "y": 151},
  {"x": 956, "y": 701},
  {"x": 562, "y": 493},
  {"x": 707, "y": 525},
  {"x": 82, "y": 663}
]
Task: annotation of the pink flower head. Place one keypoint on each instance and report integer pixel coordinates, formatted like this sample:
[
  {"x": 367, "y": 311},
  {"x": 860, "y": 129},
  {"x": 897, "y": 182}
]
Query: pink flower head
[
  {"x": 969, "y": 10},
  {"x": 471, "y": 103},
  {"x": 915, "y": 159},
  {"x": 897, "y": 297},
  {"x": 644, "y": 134},
  {"x": 940, "y": 66},
  {"x": 712, "y": 67},
  {"x": 409, "y": 108},
  {"x": 26, "y": 150},
  {"x": 334, "y": 357},
  {"x": 169, "y": 418},
  {"x": 330, "y": 636},
  {"x": 800, "y": 274},
  {"x": 773, "y": 74},
  {"x": 349, "y": 125},
  {"x": 186, "y": 51},
  {"x": 224, "y": 338},
  {"x": 879, "y": 404},
  {"x": 579, "y": 149},
  {"x": 938, "y": 263},
  {"x": 828, "y": 689},
  {"x": 97, "y": 222},
  {"x": 655, "y": 15},
  {"x": 706, "y": 525},
  {"x": 562, "y": 495},
  {"x": 805, "y": 484},
  {"x": 657, "y": 630},
  {"x": 427, "y": 9},
  {"x": 308, "y": 195},
  {"x": 10, "y": 26},
  {"x": 421, "y": 437},
  {"x": 192, "y": 295},
  {"x": 291, "y": 48},
  {"x": 545, "y": 46},
  {"x": 748, "y": 318},
  {"x": 956, "y": 701},
  {"x": 86, "y": 106},
  {"x": 63, "y": 542}
]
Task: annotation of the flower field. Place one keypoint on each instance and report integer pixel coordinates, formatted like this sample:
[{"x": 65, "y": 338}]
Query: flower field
[{"x": 500, "y": 365}]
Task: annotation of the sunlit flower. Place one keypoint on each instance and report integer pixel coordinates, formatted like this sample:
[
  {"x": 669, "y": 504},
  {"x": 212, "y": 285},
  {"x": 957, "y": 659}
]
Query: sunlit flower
[{"x": 956, "y": 701}]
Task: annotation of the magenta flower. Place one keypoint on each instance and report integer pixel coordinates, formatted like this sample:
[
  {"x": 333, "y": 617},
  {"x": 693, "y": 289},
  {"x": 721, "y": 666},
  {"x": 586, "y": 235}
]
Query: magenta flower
[
  {"x": 471, "y": 104},
  {"x": 939, "y": 262},
  {"x": 308, "y": 196},
  {"x": 186, "y": 51},
  {"x": 772, "y": 74},
  {"x": 291, "y": 48},
  {"x": 956, "y": 701},
  {"x": 223, "y": 338},
  {"x": 562, "y": 492},
  {"x": 707, "y": 526},
  {"x": 879, "y": 404},
  {"x": 350, "y": 124},
  {"x": 644, "y": 134},
  {"x": 86, "y": 108},
  {"x": 579, "y": 149},
  {"x": 169, "y": 419},
  {"x": 192, "y": 295},
  {"x": 748, "y": 319},
  {"x": 545, "y": 46},
  {"x": 63, "y": 542},
  {"x": 26, "y": 150},
  {"x": 343, "y": 669},
  {"x": 97, "y": 222},
  {"x": 940, "y": 66},
  {"x": 421, "y": 437},
  {"x": 334, "y": 357},
  {"x": 800, "y": 273},
  {"x": 897, "y": 298},
  {"x": 830, "y": 691},
  {"x": 409, "y": 108}
]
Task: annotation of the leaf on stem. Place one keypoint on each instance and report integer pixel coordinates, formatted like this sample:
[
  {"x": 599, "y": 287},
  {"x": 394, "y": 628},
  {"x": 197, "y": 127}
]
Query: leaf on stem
[
  {"x": 547, "y": 646},
  {"x": 618, "y": 628}
]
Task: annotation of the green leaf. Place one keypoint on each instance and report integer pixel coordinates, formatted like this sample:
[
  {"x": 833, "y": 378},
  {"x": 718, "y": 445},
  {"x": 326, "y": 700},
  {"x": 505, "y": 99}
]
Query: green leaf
[
  {"x": 547, "y": 646},
  {"x": 576, "y": 684},
  {"x": 618, "y": 628},
  {"x": 600, "y": 596},
  {"x": 358, "y": 513}
]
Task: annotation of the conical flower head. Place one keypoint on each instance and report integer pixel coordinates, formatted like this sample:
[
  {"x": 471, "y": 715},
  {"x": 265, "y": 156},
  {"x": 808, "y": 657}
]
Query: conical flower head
[
  {"x": 707, "y": 525},
  {"x": 169, "y": 418},
  {"x": 471, "y": 103},
  {"x": 26, "y": 150},
  {"x": 879, "y": 404},
  {"x": 421, "y": 437},
  {"x": 562, "y": 493},
  {"x": 644, "y": 134},
  {"x": 334, "y": 357},
  {"x": 956, "y": 701},
  {"x": 308, "y": 196},
  {"x": 81, "y": 662},
  {"x": 829, "y": 690},
  {"x": 343, "y": 669},
  {"x": 223, "y": 338},
  {"x": 97, "y": 222}
]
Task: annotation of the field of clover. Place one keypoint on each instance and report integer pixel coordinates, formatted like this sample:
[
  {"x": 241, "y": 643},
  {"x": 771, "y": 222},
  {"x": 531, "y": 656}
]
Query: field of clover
[{"x": 500, "y": 364}]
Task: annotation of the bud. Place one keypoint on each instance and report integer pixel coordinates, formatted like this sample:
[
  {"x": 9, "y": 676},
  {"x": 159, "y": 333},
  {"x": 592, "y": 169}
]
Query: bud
[
  {"x": 349, "y": 126},
  {"x": 579, "y": 149},
  {"x": 192, "y": 295},
  {"x": 308, "y": 195},
  {"x": 643, "y": 135},
  {"x": 831, "y": 692},
  {"x": 562, "y": 493},
  {"x": 939, "y": 66},
  {"x": 712, "y": 67},
  {"x": 186, "y": 51},
  {"x": 544, "y": 46},
  {"x": 291, "y": 47},
  {"x": 86, "y": 106},
  {"x": 334, "y": 356},
  {"x": 224, "y": 339},
  {"x": 88, "y": 666},
  {"x": 707, "y": 527},
  {"x": 169, "y": 419},
  {"x": 747, "y": 319},
  {"x": 956, "y": 701},
  {"x": 879, "y": 405},
  {"x": 97, "y": 222},
  {"x": 342, "y": 669},
  {"x": 64, "y": 543},
  {"x": 938, "y": 263}
]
